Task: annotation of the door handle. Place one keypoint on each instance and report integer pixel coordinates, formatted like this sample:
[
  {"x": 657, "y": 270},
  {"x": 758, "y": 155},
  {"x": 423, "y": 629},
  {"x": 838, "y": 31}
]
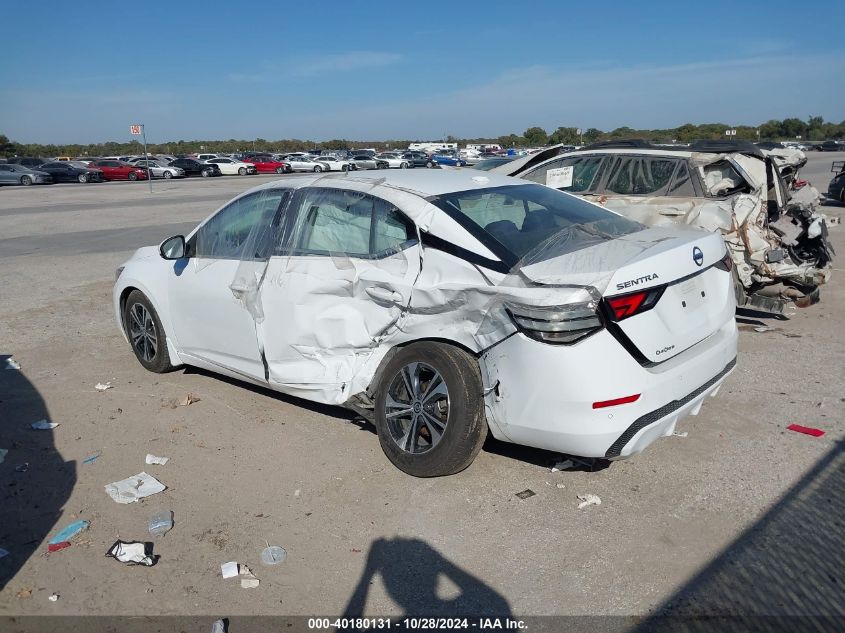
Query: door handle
[{"x": 383, "y": 294}]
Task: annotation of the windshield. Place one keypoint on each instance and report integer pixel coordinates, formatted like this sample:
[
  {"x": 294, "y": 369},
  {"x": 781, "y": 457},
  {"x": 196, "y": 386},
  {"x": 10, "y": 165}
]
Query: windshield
[
  {"x": 489, "y": 163},
  {"x": 533, "y": 222}
]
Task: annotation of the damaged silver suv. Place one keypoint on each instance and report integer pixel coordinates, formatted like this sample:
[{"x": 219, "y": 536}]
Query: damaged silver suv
[{"x": 777, "y": 239}]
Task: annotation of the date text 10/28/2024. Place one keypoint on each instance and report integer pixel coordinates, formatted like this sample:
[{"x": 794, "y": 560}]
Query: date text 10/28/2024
[{"x": 415, "y": 624}]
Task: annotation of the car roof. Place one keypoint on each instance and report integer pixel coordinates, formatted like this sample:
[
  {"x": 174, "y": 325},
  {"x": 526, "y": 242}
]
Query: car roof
[{"x": 422, "y": 182}]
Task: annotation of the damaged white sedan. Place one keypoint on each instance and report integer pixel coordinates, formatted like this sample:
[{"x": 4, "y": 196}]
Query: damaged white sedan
[{"x": 442, "y": 304}]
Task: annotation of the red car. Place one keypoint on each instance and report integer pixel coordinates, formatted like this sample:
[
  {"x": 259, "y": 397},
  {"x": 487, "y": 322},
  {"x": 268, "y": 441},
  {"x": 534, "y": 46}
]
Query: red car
[
  {"x": 267, "y": 165},
  {"x": 118, "y": 170}
]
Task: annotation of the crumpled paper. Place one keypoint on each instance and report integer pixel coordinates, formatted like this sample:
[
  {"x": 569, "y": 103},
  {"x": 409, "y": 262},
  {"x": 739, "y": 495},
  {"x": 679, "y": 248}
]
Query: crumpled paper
[
  {"x": 133, "y": 553},
  {"x": 131, "y": 489},
  {"x": 588, "y": 500}
]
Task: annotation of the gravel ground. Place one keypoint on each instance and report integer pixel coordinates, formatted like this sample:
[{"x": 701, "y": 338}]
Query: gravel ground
[{"x": 740, "y": 502}]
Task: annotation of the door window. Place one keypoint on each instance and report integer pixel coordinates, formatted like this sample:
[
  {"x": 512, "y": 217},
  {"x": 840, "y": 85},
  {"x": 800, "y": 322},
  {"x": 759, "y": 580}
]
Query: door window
[
  {"x": 682, "y": 184},
  {"x": 641, "y": 175},
  {"x": 336, "y": 221},
  {"x": 585, "y": 171},
  {"x": 242, "y": 230}
]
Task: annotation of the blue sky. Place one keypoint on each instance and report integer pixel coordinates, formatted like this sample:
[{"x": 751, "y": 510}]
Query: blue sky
[{"x": 82, "y": 72}]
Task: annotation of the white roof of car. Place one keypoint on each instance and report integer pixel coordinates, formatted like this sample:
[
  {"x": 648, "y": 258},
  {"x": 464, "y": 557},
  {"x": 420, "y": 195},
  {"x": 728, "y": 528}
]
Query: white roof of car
[{"x": 422, "y": 182}]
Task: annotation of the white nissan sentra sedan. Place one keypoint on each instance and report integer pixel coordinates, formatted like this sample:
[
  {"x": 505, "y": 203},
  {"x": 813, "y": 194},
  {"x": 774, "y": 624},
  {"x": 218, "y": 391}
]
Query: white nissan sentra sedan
[{"x": 441, "y": 304}]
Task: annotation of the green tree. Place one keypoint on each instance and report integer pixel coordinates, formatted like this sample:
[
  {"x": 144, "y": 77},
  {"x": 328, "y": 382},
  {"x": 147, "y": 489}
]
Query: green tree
[
  {"x": 564, "y": 135},
  {"x": 536, "y": 136},
  {"x": 592, "y": 135}
]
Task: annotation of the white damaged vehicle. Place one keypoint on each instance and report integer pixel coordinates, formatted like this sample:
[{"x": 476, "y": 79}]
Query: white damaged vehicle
[
  {"x": 442, "y": 304},
  {"x": 777, "y": 238}
]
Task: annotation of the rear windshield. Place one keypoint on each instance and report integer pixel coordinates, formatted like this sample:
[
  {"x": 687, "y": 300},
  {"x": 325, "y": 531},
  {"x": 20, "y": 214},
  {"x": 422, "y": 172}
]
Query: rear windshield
[{"x": 532, "y": 222}]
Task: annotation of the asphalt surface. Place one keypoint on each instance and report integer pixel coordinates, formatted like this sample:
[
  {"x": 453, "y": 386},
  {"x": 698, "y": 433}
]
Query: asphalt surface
[{"x": 739, "y": 516}]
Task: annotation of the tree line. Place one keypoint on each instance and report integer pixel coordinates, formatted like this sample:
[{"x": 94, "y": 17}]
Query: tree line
[{"x": 815, "y": 128}]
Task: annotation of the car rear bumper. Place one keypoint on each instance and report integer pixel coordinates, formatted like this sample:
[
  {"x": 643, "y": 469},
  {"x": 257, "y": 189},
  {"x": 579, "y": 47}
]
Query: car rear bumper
[{"x": 543, "y": 395}]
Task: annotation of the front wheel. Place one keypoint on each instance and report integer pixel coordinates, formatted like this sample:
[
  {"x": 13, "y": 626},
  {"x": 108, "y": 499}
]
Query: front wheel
[
  {"x": 429, "y": 164},
  {"x": 133, "y": 176},
  {"x": 280, "y": 170},
  {"x": 26, "y": 181},
  {"x": 242, "y": 171},
  {"x": 168, "y": 175},
  {"x": 429, "y": 410},
  {"x": 317, "y": 169},
  {"x": 403, "y": 166},
  {"x": 145, "y": 333},
  {"x": 83, "y": 178},
  {"x": 206, "y": 173}
]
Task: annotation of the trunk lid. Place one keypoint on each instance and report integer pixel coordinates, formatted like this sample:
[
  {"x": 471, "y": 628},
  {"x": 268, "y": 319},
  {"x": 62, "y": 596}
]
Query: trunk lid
[{"x": 696, "y": 300}]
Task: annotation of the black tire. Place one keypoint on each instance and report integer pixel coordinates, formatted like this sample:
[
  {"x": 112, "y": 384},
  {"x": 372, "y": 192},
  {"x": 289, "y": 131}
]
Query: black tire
[
  {"x": 344, "y": 168},
  {"x": 317, "y": 169},
  {"x": 133, "y": 176},
  {"x": 242, "y": 171},
  {"x": 168, "y": 175},
  {"x": 83, "y": 178},
  {"x": 26, "y": 181},
  {"x": 465, "y": 426},
  {"x": 280, "y": 170},
  {"x": 403, "y": 166},
  {"x": 842, "y": 196},
  {"x": 138, "y": 305},
  {"x": 429, "y": 164},
  {"x": 205, "y": 173}
]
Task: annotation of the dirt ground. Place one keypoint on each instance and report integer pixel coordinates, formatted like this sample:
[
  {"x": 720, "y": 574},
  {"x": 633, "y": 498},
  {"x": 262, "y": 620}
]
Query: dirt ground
[{"x": 740, "y": 503}]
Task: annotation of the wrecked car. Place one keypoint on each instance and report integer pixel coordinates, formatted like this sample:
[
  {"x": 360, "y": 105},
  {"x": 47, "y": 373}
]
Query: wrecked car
[
  {"x": 836, "y": 187},
  {"x": 441, "y": 304},
  {"x": 777, "y": 239}
]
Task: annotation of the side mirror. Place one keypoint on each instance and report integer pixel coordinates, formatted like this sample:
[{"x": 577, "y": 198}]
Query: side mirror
[{"x": 173, "y": 247}]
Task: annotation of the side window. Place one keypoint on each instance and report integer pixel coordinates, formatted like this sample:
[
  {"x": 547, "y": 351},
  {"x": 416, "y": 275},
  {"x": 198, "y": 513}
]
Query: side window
[
  {"x": 722, "y": 179},
  {"x": 5, "y": 168},
  {"x": 336, "y": 221},
  {"x": 682, "y": 184},
  {"x": 585, "y": 171},
  {"x": 242, "y": 230},
  {"x": 639, "y": 175}
]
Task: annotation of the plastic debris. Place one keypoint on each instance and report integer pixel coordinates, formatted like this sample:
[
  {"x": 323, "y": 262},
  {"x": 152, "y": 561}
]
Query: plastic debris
[
  {"x": 22, "y": 468},
  {"x": 25, "y": 593},
  {"x": 561, "y": 486},
  {"x": 102, "y": 386},
  {"x": 68, "y": 532},
  {"x": 273, "y": 555},
  {"x": 526, "y": 494},
  {"x": 683, "y": 434},
  {"x": 806, "y": 430},
  {"x": 762, "y": 328},
  {"x": 161, "y": 523},
  {"x": 189, "y": 399},
  {"x": 588, "y": 500},
  {"x": 249, "y": 581},
  {"x": 133, "y": 553},
  {"x": 3, "y": 453},
  {"x": 131, "y": 489},
  {"x": 3, "y": 552},
  {"x": 218, "y": 626},
  {"x": 12, "y": 364},
  {"x": 571, "y": 463},
  {"x": 44, "y": 425},
  {"x": 229, "y": 570},
  {"x": 55, "y": 547},
  {"x": 91, "y": 459},
  {"x": 53, "y": 598},
  {"x": 296, "y": 493},
  {"x": 160, "y": 461}
]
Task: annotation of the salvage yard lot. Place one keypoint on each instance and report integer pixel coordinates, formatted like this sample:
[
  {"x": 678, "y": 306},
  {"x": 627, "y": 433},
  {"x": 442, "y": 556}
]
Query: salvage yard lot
[{"x": 250, "y": 467}]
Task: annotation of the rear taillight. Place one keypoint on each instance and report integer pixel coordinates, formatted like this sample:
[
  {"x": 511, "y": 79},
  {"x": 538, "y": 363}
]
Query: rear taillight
[
  {"x": 563, "y": 324},
  {"x": 726, "y": 263},
  {"x": 624, "y": 306}
]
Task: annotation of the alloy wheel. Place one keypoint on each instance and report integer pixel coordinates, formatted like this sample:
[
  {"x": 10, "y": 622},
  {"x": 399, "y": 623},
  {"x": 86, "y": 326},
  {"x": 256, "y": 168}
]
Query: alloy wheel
[
  {"x": 142, "y": 332},
  {"x": 417, "y": 408}
]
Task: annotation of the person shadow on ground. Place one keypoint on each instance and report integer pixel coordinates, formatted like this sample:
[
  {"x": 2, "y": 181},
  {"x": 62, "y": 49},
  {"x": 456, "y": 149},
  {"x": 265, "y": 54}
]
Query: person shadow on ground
[
  {"x": 36, "y": 480},
  {"x": 410, "y": 571}
]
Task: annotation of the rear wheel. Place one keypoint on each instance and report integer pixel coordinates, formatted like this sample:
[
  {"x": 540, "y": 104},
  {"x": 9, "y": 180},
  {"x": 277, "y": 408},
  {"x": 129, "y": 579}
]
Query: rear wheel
[
  {"x": 26, "y": 181},
  {"x": 429, "y": 410},
  {"x": 242, "y": 171},
  {"x": 133, "y": 176},
  {"x": 82, "y": 178},
  {"x": 145, "y": 333}
]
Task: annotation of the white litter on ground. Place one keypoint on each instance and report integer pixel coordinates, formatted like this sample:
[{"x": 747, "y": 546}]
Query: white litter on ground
[
  {"x": 102, "y": 386},
  {"x": 131, "y": 489},
  {"x": 53, "y": 598},
  {"x": 160, "y": 461},
  {"x": 131, "y": 553},
  {"x": 683, "y": 434},
  {"x": 12, "y": 364},
  {"x": 588, "y": 500},
  {"x": 249, "y": 581},
  {"x": 44, "y": 425},
  {"x": 229, "y": 570}
]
